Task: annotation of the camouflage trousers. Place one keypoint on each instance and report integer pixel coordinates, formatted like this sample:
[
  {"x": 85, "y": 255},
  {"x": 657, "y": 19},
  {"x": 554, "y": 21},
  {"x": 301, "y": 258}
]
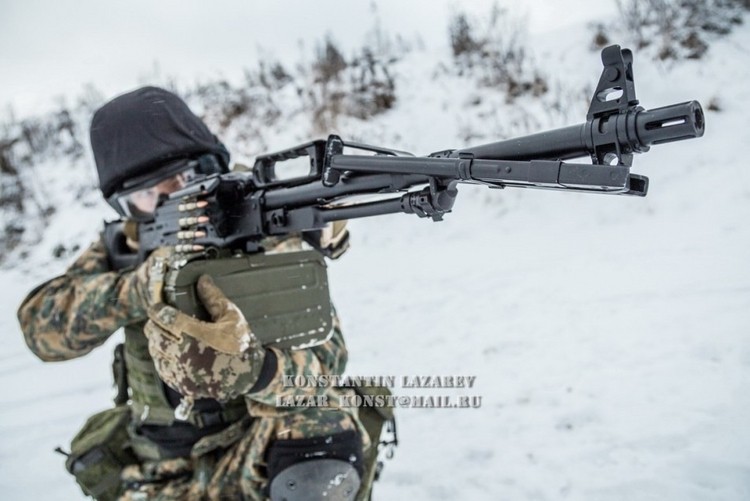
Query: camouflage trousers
[{"x": 230, "y": 464}]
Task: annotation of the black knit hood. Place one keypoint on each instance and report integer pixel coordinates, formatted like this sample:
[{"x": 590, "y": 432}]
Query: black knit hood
[{"x": 145, "y": 131}]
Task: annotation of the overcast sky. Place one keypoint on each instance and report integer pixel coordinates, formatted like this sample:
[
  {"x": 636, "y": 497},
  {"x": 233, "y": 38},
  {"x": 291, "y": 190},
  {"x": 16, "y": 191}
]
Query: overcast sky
[{"x": 53, "y": 47}]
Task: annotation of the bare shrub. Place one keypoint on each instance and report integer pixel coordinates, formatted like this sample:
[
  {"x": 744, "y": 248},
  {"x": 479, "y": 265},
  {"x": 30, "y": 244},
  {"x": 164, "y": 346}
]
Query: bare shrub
[
  {"x": 328, "y": 63},
  {"x": 361, "y": 86},
  {"x": 715, "y": 104},
  {"x": 494, "y": 52},
  {"x": 18, "y": 199},
  {"x": 680, "y": 29},
  {"x": 272, "y": 75},
  {"x": 372, "y": 85},
  {"x": 462, "y": 40},
  {"x": 600, "y": 39}
]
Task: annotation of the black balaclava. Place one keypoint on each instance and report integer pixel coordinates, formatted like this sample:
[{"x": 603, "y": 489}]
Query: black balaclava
[{"x": 145, "y": 131}]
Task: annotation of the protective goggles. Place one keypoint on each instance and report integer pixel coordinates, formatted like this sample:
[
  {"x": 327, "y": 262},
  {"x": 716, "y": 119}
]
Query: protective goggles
[{"x": 140, "y": 196}]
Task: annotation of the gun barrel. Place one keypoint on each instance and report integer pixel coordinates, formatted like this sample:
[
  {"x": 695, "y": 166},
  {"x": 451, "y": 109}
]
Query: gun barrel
[
  {"x": 632, "y": 131},
  {"x": 670, "y": 123},
  {"x": 564, "y": 143}
]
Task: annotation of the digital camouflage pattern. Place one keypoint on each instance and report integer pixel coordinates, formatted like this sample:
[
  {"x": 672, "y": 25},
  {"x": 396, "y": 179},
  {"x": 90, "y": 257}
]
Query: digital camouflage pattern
[
  {"x": 146, "y": 481},
  {"x": 219, "y": 359},
  {"x": 70, "y": 315},
  {"x": 74, "y": 313}
]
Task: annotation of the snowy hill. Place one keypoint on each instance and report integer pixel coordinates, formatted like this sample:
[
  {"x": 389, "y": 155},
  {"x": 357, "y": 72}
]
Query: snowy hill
[{"x": 608, "y": 335}]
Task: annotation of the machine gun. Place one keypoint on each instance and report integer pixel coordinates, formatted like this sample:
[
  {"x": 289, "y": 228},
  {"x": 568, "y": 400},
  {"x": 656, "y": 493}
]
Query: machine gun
[{"x": 230, "y": 214}]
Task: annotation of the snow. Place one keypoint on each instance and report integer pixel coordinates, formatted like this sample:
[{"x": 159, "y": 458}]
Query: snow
[{"x": 607, "y": 335}]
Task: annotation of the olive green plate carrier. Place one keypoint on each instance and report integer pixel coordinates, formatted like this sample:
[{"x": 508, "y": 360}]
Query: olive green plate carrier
[{"x": 283, "y": 296}]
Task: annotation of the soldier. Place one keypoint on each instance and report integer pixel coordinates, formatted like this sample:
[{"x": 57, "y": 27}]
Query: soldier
[{"x": 197, "y": 415}]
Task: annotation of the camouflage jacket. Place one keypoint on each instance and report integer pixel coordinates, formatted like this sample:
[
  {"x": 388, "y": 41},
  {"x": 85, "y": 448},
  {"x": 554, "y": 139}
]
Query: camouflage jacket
[
  {"x": 74, "y": 313},
  {"x": 70, "y": 315}
]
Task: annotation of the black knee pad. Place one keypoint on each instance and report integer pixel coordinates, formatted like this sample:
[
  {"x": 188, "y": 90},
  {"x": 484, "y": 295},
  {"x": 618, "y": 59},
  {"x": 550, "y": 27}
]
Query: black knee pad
[
  {"x": 328, "y": 467},
  {"x": 316, "y": 480}
]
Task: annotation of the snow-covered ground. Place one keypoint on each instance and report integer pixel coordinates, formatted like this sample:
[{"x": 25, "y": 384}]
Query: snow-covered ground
[{"x": 608, "y": 335}]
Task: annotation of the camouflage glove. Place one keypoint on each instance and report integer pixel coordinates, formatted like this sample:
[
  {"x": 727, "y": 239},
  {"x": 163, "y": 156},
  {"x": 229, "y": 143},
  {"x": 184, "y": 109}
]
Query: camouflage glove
[
  {"x": 334, "y": 239},
  {"x": 221, "y": 359},
  {"x": 227, "y": 333},
  {"x": 149, "y": 277}
]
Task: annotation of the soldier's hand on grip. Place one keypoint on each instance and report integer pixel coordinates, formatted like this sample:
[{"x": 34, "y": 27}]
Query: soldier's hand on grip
[
  {"x": 221, "y": 359},
  {"x": 228, "y": 332}
]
